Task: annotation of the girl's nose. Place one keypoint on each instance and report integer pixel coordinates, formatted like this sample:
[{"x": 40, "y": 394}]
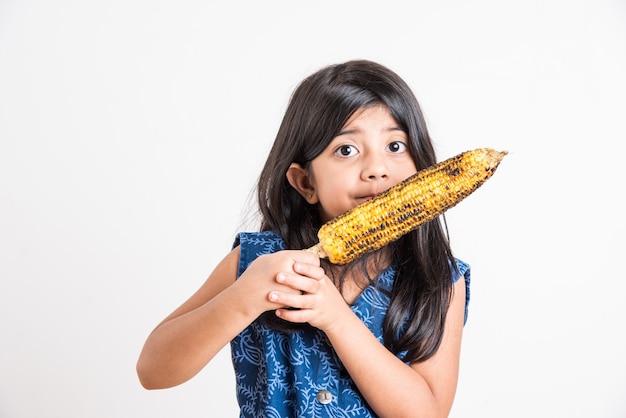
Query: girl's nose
[{"x": 374, "y": 168}]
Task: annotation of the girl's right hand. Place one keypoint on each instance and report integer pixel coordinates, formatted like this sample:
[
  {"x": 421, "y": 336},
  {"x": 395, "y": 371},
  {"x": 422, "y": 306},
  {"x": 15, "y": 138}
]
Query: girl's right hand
[
  {"x": 222, "y": 307},
  {"x": 259, "y": 280}
]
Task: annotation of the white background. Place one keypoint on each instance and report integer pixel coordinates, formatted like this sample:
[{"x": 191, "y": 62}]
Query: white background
[{"x": 132, "y": 132}]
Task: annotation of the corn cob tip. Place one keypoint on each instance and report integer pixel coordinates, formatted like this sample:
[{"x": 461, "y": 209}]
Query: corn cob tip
[
  {"x": 500, "y": 154},
  {"x": 493, "y": 155},
  {"x": 318, "y": 250}
]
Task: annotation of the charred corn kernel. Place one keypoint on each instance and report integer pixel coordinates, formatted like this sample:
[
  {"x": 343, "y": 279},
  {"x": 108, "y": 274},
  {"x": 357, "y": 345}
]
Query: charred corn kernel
[{"x": 404, "y": 207}]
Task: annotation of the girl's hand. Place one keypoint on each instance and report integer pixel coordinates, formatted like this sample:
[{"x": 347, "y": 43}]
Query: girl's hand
[
  {"x": 318, "y": 300},
  {"x": 265, "y": 276}
]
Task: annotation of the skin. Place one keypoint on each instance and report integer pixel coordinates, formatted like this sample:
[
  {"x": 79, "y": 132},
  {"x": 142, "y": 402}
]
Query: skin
[{"x": 369, "y": 156}]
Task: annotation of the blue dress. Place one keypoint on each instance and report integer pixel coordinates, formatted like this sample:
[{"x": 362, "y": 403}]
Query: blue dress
[{"x": 282, "y": 375}]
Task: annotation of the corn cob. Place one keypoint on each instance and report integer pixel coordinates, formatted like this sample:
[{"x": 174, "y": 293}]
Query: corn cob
[{"x": 404, "y": 207}]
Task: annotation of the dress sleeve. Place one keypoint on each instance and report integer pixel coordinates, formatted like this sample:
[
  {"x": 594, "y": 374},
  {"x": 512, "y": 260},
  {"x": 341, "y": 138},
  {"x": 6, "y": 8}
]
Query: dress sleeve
[
  {"x": 253, "y": 244},
  {"x": 463, "y": 271}
]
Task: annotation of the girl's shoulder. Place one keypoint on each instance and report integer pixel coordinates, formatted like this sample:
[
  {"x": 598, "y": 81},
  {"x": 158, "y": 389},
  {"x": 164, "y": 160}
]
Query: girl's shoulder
[
  {"x": 260, "y": 239},
  {"x": 254, "y": 244},
  {"x": 462, "y": 270}
]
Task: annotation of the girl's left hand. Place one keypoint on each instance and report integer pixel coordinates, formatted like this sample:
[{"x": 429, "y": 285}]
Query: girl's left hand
[{"x": 320, "y": 303}]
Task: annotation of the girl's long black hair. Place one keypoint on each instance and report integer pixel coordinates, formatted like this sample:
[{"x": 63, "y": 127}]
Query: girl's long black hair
[{"x": 318, "y": 109}]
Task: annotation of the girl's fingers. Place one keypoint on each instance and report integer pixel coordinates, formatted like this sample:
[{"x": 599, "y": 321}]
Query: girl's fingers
[
  {"x": 298, "y": 301},
  {"x": 309, "y": 270},
  {"x": 293, "y": 315},
  {"x": 305, "y": 284}
]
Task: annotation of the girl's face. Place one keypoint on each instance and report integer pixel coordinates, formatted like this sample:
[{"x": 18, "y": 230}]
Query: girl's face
[{"x": 370, "y": 155}]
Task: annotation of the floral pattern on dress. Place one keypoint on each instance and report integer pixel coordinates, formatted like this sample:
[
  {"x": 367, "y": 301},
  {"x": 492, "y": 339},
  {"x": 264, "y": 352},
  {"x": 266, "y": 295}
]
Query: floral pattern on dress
[{"x": 279, "y": 375}]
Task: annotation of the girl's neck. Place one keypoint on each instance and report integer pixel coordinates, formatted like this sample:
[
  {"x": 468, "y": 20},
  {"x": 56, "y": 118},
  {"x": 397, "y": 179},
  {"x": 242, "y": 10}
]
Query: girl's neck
[{"x": 353, "y": 278}]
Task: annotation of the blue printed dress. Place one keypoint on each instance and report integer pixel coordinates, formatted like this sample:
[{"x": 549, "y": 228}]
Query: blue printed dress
[{"x": 283, "y": 375}]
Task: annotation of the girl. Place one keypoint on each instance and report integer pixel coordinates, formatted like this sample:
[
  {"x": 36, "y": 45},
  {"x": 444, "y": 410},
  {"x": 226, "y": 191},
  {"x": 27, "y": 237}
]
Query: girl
[{"x": 378, "y": 337}]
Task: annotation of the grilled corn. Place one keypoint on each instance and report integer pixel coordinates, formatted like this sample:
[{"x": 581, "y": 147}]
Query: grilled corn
[{"x": 404, "y": 207}]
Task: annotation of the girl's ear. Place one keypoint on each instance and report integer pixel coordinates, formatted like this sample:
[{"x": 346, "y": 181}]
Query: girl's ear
[{"x": 299, "y": 179}]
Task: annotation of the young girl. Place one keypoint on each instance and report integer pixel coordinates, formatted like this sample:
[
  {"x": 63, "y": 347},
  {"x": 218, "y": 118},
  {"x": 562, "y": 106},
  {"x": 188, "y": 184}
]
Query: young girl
[{"x": 378, "y": 337}]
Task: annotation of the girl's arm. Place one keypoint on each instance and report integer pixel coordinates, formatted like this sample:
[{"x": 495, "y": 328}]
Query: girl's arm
[
  {"x": 184, "y": 342},
  {"x": 391, "y": 388}
]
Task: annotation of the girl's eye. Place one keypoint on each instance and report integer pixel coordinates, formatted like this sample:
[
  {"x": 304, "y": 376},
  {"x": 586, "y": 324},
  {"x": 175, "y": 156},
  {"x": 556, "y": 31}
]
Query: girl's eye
[
  {"x": 346, "y": 151},
  {"x": 397, "y": 147}
]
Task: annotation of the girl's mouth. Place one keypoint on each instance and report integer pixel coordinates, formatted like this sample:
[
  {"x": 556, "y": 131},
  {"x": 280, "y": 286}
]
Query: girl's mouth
[{"x": 362, "y": 199}]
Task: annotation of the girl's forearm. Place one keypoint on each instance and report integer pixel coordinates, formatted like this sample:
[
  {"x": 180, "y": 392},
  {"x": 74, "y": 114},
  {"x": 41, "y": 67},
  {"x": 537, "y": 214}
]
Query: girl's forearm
[
  {"x": 180, "y": 347},
  {"x": 390, "y": 386}
]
